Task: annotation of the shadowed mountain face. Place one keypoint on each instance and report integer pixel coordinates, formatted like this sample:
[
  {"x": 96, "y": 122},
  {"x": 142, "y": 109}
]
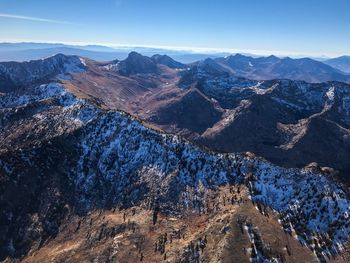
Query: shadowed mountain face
[
  {"x": 192, "y": 112},
  {"x": 277, "y": 119},
  {"x": 136, "y": 63},
  {"x": 82, "y": 180},
  {"x": 287, "y": 129}
]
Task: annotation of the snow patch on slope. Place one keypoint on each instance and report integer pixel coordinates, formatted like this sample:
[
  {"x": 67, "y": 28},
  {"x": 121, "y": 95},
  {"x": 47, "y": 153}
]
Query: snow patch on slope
[{"x": 308, "y": 201}]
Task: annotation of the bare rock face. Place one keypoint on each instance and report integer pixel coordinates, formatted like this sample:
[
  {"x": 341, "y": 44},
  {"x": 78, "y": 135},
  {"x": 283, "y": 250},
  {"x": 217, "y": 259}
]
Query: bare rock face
[
  {"x": 83, "y": 182},
  {"x": 136, "y": 63}
]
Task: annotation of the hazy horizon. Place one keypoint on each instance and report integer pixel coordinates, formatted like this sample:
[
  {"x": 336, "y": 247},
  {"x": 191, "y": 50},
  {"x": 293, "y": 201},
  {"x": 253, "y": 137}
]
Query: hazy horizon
[
  {"x": 189, "y": 50},
  {"x": 288, "y": 28}
]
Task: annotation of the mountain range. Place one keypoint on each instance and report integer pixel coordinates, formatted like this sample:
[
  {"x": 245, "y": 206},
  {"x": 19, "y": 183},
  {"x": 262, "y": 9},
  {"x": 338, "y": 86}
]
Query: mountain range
[
  {"x": 271, "y": 67},
  {"x": 231, "y": 159},
  {"x": 26, "y": 51}
]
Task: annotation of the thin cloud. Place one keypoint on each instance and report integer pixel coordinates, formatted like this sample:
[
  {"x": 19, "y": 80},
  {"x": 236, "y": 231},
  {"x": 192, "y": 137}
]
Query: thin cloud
[{"x": 30, "y": 18}]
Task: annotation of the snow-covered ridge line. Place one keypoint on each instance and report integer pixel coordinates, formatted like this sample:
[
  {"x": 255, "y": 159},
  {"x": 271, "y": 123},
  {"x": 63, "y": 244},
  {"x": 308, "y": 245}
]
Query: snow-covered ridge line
[
  {"x": 120, "y": 161},
  {"x": 122, "y": 147},
  {"x": 41, "y": 92},
  {"x": 25, "y": 73}
]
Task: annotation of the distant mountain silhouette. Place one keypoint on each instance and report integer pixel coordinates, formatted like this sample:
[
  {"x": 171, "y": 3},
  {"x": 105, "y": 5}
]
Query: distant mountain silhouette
[
  {"x": 264, "y": 68},
  {"x": 342, "y": 63}
]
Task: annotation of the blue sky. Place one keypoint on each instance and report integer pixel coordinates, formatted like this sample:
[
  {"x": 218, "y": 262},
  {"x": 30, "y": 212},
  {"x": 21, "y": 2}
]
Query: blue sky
[{"x": 306, "y": 27}]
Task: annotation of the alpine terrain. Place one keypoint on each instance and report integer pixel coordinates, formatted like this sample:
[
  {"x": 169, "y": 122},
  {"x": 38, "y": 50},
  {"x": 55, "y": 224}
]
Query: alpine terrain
[{"x": 146, "y": 159}]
